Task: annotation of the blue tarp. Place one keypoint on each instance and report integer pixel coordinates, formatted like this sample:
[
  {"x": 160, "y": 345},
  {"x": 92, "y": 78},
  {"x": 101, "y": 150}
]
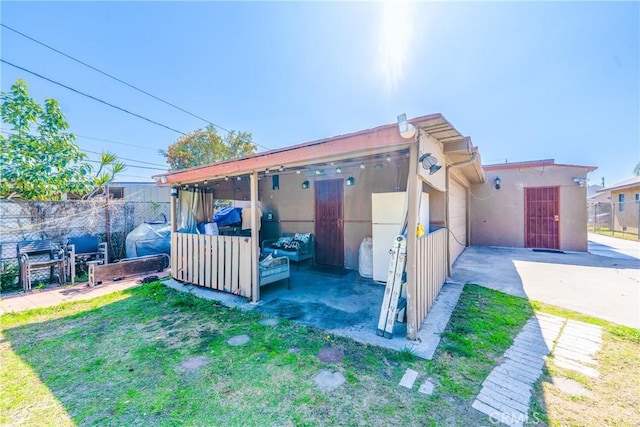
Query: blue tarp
[{"x": 228, "y": 216}]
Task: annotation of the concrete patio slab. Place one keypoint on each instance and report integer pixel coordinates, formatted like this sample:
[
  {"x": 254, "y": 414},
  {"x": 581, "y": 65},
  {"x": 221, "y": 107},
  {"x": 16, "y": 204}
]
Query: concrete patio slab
[{"x": 344, "y": 305}]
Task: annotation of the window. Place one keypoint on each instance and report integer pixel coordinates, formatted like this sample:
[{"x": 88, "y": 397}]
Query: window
[
  {"x": 637, "y": 197},
  {"x": 116, "y": 192},
  {"x": 621, "y": 202}
]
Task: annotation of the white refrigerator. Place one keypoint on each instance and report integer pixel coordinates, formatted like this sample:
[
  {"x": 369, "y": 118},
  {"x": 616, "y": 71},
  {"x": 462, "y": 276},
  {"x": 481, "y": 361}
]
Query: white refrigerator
[{"x": 387, "y": 216}]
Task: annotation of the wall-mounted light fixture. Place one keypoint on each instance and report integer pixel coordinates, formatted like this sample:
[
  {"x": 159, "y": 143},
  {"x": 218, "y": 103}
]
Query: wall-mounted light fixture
[
  {"x": 318, "y": 171},
  {"x": 350, "y": 181},
  {"x": 362, "y": 166},
  {"x": 580, "y": 181},
  {"x": 174, "y": 191},
  {"x": 497, "y": 182},
  {"x": 429, "y": 163},
  {"x": 338, "y": 169},
  {"x": 407, "y": 130},
  {"x": 305, "y": 184}
]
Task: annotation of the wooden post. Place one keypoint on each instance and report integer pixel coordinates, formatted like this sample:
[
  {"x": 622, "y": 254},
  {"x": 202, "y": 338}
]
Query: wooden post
[
  {"x": 255, "y": 244},
  {"x": 413, "y": 323},
  {"x": 172, "y": 214},
  {"x": 107, "y": 220}
]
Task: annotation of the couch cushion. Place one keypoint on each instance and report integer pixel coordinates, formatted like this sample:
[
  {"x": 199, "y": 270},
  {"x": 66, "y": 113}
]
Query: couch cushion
[{"x": 302, "y": 237}]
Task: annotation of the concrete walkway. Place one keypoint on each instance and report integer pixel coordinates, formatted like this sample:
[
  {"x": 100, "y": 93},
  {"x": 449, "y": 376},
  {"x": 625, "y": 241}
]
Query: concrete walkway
[
  {"x": 614, "y": 247},
  {"x": 56, "y": 296},
  {"x": 506, "y": 393},
  {"x": 601, "y": 286}
]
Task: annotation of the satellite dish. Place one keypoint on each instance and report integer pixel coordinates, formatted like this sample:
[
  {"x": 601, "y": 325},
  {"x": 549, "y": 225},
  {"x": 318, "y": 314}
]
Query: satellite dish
[{"x": 407, "y": 130}]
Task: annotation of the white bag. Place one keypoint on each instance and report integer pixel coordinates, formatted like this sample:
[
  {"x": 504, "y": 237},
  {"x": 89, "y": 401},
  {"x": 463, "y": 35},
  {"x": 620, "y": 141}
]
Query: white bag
[{"x": 365, "y": 258}]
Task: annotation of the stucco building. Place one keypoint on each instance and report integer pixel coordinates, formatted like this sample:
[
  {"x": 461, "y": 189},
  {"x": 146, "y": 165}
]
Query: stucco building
[{"x": 536, "y": 204}]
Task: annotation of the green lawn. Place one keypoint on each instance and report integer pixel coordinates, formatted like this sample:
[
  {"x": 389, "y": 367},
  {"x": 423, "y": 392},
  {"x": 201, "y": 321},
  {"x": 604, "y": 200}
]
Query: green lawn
[{"x": 118, "y": 359}]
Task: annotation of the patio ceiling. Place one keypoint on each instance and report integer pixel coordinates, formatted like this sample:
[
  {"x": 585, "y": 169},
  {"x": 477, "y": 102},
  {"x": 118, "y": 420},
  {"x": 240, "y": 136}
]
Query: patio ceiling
[{"x": 354, "y": 147}]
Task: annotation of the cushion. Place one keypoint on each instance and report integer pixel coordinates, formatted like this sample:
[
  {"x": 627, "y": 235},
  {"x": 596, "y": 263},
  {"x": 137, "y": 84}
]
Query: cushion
[
  {"x": 282, "y": 242},
  {"x": 302, "y": 237},
  {"x": 294, "y": 245}
]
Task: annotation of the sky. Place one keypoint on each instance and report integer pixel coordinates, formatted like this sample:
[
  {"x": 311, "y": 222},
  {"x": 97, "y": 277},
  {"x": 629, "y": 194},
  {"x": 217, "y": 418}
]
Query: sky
[{"x": 525, "y": 81}]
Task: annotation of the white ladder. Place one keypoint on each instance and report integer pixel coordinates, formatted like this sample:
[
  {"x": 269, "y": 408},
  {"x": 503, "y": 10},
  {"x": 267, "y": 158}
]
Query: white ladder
[{"x": 390, "y": 307}]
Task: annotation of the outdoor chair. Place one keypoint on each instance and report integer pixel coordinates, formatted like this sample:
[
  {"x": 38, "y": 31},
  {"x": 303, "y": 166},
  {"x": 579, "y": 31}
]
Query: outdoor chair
[
  {"x": 83, "y": 250},
  {"x": 39, "y": 254}
]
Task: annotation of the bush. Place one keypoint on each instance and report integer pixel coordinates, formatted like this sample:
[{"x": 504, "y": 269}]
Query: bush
[{"x": 9, "y": 278}]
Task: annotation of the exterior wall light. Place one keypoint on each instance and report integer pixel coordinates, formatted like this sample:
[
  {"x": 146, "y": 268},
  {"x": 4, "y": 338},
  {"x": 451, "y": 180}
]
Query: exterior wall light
[
  {"x": 580, "y": 181},
  {"x": 174, "y": 191},
  {"x": 406, "y": 129},
  {"x": 351, "y": 181},
  {"x": 305, "y": 184},
  {"x": 497, "y": 182}
]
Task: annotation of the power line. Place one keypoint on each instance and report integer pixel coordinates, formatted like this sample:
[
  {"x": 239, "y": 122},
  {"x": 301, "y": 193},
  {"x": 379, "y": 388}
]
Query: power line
[
  {"x": 92, "y": 97},
  {"x": 122, "y": 81},
  {"x": 131, "y": 166},
  {"x": 124, "y": 158},
  {"x": 116, "y": 142}
]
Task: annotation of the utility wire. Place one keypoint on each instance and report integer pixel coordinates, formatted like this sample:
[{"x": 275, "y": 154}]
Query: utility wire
[
  {"x": 131, "y": 160},
  {"x": 131, "y": 166},
  {"x": 162, "y": 167},
  {"x": 122, "y": 81},
  {"x": 92, "y": 97},
  {"x": 116, "y": 142}
]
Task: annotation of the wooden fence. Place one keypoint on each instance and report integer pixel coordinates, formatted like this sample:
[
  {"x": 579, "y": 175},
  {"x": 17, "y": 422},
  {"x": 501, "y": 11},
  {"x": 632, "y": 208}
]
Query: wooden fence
[
  {"x": 223, "y": 263},
  {"x": 431, "y": 274}
]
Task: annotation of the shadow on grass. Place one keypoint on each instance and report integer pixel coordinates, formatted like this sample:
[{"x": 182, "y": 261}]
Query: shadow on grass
[{"x": 156, "y": 356}]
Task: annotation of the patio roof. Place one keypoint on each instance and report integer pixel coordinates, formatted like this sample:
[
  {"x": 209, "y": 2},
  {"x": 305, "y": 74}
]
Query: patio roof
[{"x": 364, "y": 143}]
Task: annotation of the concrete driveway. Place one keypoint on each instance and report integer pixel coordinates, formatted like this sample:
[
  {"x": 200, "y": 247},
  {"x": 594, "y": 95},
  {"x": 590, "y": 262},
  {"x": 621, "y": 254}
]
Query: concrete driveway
[{"x": 606, "y": 287}]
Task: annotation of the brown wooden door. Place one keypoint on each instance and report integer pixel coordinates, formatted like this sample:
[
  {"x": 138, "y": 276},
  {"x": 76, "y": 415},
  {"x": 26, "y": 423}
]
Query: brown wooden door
[
  {"x": 329, "y": 222},
  {"x": 542, "y": 217}
]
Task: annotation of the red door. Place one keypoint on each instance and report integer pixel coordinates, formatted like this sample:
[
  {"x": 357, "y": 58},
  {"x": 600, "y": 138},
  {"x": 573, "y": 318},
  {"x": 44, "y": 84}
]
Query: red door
[
  {"x": 329, "y": 222},
  {"x": 542, "y": 217}
]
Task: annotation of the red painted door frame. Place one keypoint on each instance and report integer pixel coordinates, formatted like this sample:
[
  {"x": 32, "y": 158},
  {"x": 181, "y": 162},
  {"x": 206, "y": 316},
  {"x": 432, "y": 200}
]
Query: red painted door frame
[
  {"x": 542, "y": 217},
  {"x": 329, "y": 222}
]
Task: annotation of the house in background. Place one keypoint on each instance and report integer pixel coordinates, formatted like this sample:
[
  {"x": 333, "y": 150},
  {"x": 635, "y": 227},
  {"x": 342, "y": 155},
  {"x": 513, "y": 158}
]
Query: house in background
[
  {"x": 624, "y": 201},
  {"x": 140, "y": 191},
  {"x": 535, "y": 204},
  {"x": 325, "y": 187}
]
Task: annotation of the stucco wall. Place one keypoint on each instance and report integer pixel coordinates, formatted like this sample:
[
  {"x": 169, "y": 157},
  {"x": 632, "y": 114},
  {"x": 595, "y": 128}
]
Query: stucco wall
[
  {"x": 497, "y": 216},
  {"x": 293, "y": 208},
  {"x": 629, "y": 218}
]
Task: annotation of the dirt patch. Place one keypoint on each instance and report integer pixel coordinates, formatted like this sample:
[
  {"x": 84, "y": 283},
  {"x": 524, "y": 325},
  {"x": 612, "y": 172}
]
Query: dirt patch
[{"x": 330, "y": 355}]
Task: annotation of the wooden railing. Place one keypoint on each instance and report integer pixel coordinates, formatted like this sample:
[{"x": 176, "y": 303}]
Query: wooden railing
[
  {"x": 431, "y": 262},
  {"x": 223, "y": 263}
]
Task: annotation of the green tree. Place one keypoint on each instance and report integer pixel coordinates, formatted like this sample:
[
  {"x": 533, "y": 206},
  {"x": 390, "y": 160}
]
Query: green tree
[
  {"x": 39, "y": 158},
  {"x": 205, "y": 146}
]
